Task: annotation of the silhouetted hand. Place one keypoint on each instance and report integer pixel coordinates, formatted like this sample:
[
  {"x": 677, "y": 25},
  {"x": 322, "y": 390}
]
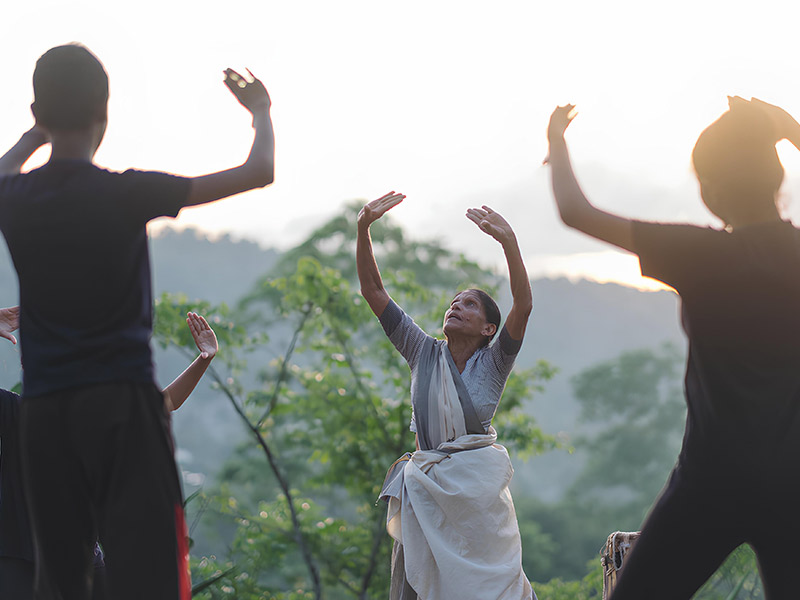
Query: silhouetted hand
[
  {"x": 559, "y": 121},
  {"x": 492, "y": 223},
  {"x": 9, "y": 321},
  {"x": 250, "y": 93},
  {"x": 203, "y": 335},
  {"x": 374, "y": 210},
  {"x": 785, "y": 125}
]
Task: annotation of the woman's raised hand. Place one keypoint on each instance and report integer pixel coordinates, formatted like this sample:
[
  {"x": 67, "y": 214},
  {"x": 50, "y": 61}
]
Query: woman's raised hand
[
  {"x": 374, "y": 210},
  {"x": 492, "y": 223}
]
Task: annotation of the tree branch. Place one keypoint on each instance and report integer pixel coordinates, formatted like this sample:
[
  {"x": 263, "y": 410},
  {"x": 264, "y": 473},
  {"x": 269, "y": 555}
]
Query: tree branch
[
  {"x": 379, "y": 533},
  {"x": 282, "y": 482},
  {"x": 285, "y": 366}
]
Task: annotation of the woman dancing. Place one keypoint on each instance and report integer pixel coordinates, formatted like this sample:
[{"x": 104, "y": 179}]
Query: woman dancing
[
  {"x": 736, "y": 480},
  {"x": 450, "y": 511}
]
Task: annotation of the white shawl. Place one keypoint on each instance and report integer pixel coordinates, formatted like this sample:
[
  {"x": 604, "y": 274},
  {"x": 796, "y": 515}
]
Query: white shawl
[{"x": 451, "y": 510}]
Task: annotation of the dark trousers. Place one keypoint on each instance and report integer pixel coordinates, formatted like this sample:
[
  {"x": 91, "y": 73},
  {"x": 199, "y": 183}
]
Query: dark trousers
[
  {"x": 98, "y": 462},
  {"x": 16, "y": 578},
  {"x": 694, "y": 526}
]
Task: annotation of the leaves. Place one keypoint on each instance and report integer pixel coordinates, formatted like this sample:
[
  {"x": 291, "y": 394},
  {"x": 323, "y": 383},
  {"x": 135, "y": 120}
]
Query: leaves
[{"x": 328, "y": 415}]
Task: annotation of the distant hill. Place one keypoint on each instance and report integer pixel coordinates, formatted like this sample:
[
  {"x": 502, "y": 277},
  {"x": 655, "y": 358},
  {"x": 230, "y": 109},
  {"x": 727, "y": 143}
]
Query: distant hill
[{"x": 573, "y": 326}]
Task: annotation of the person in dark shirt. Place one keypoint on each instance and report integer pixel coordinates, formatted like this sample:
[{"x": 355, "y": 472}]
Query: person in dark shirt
[
  {"x": 736, "y": 480},
  {"x": 77, "y": 236},
  {"x": 16, "y": 544}
]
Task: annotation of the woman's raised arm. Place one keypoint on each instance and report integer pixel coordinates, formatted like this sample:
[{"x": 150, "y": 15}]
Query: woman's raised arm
[
  {"x": 368, "y": 274},
  {"x": 493, "y": 224},
  {"x": 575, "y": 210}
]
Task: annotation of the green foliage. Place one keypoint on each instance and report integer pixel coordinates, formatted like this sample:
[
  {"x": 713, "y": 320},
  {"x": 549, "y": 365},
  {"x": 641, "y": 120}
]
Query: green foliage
[
  {"x": 736, "y": 579},
  {"x": 590, "y": 587},
  {"x": 637, "y": 401},
  {"x": 326, "y": 417}
]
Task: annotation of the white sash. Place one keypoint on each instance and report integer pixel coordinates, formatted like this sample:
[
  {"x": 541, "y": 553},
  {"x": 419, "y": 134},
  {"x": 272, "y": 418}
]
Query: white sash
[
  {"x": 451, "y": 510},
  {"x": 445, "y": 416}
]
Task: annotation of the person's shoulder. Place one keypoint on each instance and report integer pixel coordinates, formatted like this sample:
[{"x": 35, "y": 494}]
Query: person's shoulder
[{"x": 645, "y": 228}]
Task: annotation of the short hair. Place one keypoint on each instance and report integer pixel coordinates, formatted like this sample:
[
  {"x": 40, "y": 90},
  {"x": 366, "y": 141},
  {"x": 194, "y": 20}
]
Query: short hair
[
  {"x": 735, "y": 156},
  {"x": 70, "y": 88},
  {"x": 491, "y": 310}
]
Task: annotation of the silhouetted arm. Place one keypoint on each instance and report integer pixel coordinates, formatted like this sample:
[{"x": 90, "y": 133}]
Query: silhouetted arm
[
  {"x": 258, "y": 170},
  {"x": 368, "y": 274},
  {"x": 11, "y": 162},
  {"x": 495, "y": 225},
  {"x": 176, "y": 393},
  {"x": 575, "y": 210}
]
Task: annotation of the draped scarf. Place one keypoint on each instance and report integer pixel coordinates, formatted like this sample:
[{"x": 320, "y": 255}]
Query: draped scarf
[{"x": 450, "y": 511}]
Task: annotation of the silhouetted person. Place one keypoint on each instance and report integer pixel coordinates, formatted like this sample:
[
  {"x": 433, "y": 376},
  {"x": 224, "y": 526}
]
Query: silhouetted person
[
  {"x": 95, "y": 436},
  {"x": 737, "y": 477},
  {"x": 16, "y": 540}
]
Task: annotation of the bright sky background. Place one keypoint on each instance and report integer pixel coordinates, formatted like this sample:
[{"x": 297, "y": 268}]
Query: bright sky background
[{"x": 445, "y": 101}]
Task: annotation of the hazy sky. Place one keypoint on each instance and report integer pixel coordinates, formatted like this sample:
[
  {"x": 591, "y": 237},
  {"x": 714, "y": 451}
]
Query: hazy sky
[{"x": 444, "y": 101}]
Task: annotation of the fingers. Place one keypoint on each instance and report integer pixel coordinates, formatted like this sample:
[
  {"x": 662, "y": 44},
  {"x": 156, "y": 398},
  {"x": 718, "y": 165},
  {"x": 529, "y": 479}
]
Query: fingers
[
  {"x": 385, "y": 202},
  {"x": 203, "y": 321},
  {"x": 203, "y": 335},
  {"x": 232, "y": 78},
  {"x": 480, "y": 213},
  {"x": 568, "y": 111},
  {"x": 197, "y": 324},
  {"x": 736, "y": 101},
  {"x": 559, "y": 122},
  {"x": 9, "y": 337}
]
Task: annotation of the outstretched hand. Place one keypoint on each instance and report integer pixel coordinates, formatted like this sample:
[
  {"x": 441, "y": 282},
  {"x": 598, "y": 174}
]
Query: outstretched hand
[
  {"x": 374, "y": 210},
  {"x": 559, "y": 121},
  {"x": 785, "y": 125},
  {"x": 491, "y": 223},
  {"x": 250, "y": 93},
  {"x": 203, "y": 335},
  {"x": 9, "y": 321}
]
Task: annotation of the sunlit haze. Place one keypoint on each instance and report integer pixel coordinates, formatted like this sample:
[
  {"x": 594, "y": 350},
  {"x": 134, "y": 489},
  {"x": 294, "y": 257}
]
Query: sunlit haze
[{"x": 444, "y": 101}]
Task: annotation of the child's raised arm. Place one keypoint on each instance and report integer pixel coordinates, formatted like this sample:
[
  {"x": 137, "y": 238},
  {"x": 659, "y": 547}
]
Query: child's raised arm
[
  {"x": 258, "y": 170},
  {"x": 176, "y": 393},
  {"x": 575, "y": 210}
]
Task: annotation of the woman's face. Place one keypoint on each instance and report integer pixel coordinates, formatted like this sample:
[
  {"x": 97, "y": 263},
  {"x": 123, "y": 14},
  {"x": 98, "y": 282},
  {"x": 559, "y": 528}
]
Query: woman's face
[{"x": 466, "y": 317}]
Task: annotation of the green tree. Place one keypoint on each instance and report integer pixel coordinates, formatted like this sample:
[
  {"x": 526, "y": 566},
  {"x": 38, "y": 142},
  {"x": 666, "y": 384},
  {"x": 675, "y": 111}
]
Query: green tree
[{"x": 325, "y": 420}]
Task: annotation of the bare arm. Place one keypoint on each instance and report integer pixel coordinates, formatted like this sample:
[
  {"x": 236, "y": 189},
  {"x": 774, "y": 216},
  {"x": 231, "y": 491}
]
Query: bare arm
[
  {"x": 258, "y": 170},
  {"x": 176, "y": 393},
  {"x": 368, "y": 274},
  {"x": 575, "y": 210},
  {"x": 495, "y": 225},
  {"x": 11, "y": 162}
]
